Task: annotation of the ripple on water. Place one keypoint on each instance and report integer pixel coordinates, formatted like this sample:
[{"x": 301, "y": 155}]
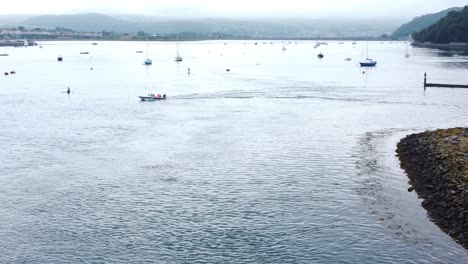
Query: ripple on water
[
  {"x": 267, "y": 164},
  {"x": 383, "y": 187}
]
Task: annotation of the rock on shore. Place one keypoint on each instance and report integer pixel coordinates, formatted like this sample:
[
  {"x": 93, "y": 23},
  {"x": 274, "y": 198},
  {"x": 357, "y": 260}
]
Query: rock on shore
[{"x": 437, "y": 165}]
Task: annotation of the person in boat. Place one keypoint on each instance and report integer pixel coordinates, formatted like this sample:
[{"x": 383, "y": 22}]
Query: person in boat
[
  {"x": 68, "y": 90},
  {"x": 164, "y": 96},
  {"x": 159, "y": 96}
]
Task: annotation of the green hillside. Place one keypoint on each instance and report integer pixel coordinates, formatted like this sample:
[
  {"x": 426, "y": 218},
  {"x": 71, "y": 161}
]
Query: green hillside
[
  {"x": 452, "y": 28},
  {"x": 420, "y": 23}
]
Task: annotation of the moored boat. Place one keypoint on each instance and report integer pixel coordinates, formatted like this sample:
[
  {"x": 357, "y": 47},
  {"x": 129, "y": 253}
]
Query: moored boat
[
  {"x": 368, "y": 63},
  {"x": 148, "y": 62},
  {"x": 179, "y": 58}
]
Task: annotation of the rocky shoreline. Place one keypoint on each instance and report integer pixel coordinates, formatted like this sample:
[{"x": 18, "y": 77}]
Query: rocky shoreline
[{"x": 437, "y": 165}]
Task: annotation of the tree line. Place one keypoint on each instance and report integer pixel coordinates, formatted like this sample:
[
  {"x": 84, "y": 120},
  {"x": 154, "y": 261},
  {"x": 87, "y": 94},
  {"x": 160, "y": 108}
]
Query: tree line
[{"x": 451, "y": 28}]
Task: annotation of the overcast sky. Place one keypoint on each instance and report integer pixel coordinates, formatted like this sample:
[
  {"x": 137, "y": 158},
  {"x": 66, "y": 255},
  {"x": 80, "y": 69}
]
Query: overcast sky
[{"x": 237, "y": 8}]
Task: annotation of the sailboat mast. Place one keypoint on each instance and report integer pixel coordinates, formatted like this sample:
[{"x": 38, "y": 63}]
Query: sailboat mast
[
  {"x": 367, "y": 49},
  {"x": 147, "y": 47},
  {"x": 147, "y": 50}
]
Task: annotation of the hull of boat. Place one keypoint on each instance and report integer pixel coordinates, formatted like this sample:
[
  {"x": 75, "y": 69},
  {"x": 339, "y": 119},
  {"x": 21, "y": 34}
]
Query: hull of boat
[
  {"x": 151, "y": 98},
  {"x": 368, "y": 64}
]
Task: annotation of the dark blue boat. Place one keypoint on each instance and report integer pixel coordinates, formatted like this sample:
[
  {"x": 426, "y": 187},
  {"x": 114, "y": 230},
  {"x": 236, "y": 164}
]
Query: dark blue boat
[{"x": 368, "y": 63}]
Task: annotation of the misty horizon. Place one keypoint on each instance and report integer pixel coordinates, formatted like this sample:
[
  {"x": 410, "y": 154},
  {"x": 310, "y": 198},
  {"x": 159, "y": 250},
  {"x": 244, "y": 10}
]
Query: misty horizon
[{"x": 204, "y": 9}]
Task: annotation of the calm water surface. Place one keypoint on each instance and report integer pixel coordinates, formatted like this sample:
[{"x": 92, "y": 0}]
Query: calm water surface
[{"x": 284, "y": 159}]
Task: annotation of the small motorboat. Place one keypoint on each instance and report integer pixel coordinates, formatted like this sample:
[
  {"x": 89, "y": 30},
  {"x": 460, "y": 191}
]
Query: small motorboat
[
  {"x": 139, "y": 51},
  {"x": 84, "y": 53},
  {"x": 60, "y": 58},
  {"x": 94, "y": 43},
  {"x": 153, "y": 97},
  {"x": 320, "y": 55},
  {"x": 348, "y": 59},
  {"x": 3, "y": 54}
]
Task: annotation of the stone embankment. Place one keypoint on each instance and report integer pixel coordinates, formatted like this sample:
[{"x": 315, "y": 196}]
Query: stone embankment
[{"x": 437, "y": 165}]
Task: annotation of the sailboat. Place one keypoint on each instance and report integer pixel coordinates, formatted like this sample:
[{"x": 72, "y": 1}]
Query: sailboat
[
  {"x": 148, "y": 61},
  {"x": 406, "y": 52},
  {"x": 178, "y": 58},
  {"x": 368, "y": 62}
]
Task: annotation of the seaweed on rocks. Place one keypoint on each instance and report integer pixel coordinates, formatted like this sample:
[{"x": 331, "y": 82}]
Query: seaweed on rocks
[{"x": 437, "y": 166}]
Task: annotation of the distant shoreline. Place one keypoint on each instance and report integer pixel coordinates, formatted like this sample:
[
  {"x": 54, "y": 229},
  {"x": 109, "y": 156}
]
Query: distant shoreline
[
  {"x": 451, "y": 46},
  {"x": 227, "y": 39}
]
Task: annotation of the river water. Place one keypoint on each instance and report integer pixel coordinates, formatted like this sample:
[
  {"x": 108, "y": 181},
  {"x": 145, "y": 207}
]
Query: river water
[{"x": 284, "y": 159}]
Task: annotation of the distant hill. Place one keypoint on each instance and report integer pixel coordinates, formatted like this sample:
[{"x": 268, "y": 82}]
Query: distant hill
[
  {"x": 12, "y": 20},
  {"x": 272, "y": 28},
  {"x": 81, "y": 22},
  {"x": 420, "y": 23},
  {"x": 452, "y": 28}
]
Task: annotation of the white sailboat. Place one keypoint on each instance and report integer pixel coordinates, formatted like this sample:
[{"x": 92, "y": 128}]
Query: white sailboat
[{"x": 178, "y": 58}]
